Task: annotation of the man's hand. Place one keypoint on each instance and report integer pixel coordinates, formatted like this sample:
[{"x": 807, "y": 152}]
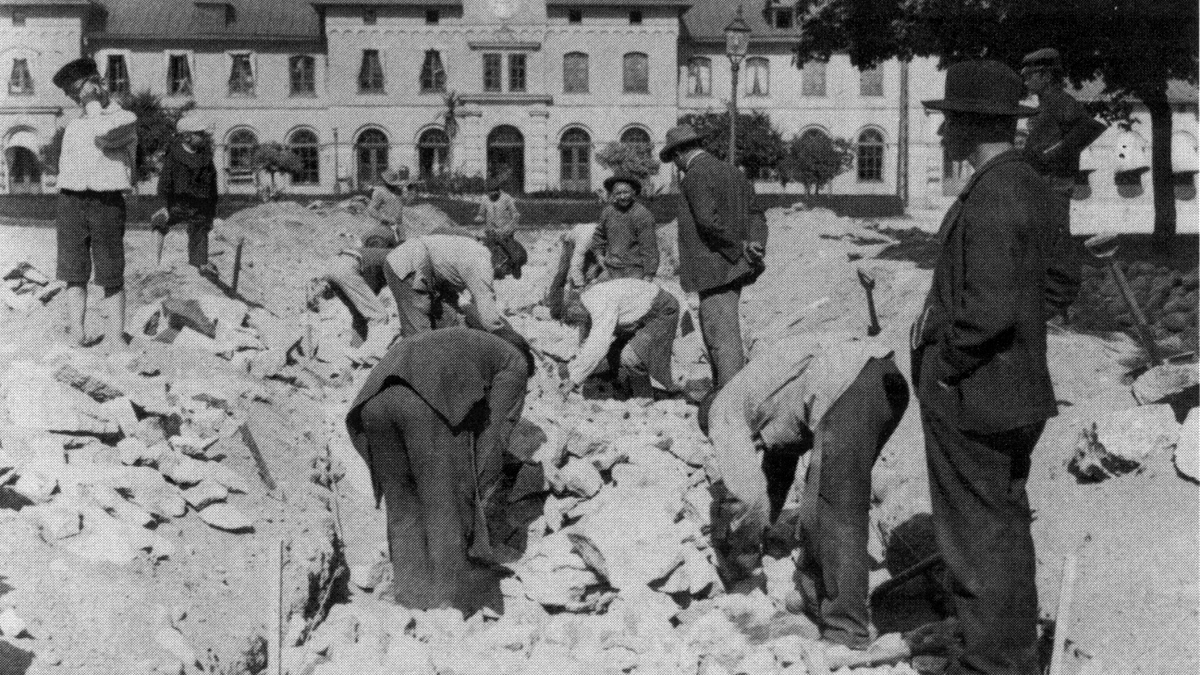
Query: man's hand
[
  {"x": 754, "y": 252},
  {"x": 566, "y": 388}
]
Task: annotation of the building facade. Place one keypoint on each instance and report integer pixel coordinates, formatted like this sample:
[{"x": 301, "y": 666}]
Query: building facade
[{"x": 358, "y": 86}]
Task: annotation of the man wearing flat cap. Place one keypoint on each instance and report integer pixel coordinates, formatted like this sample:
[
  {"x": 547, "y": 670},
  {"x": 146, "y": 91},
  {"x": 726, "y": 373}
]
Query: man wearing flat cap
[
  {"x": 979, "y": 369},
  {"x": 625, "y": 240},
  {"x": 95, "y": 169},
  {"x": 1059, "y": 131},
  {"x": 721, "y": 238}
]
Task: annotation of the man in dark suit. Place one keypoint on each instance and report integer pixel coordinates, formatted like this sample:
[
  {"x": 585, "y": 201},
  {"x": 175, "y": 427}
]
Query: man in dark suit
[
  {"x": 721, "y": 238},
  {"x": 432, "y": 422},
  {"x": 979, "y": 366}
]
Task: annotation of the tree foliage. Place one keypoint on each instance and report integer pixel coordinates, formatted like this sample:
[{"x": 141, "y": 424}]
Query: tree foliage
[
  {"x": 759, "y": 144},
  {"x": 155, "y": 129},
  {"x": 814, "y": 159},
  {"x": 631, "y": 159},
  {"x": 1135, "y": 46},
  {"x": 274, "y": 158}
]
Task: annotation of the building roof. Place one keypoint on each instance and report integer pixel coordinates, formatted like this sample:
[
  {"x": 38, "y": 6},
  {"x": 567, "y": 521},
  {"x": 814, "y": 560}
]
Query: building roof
[
  {"x": 381, "y": 3},
  {"x": 182, "y": 20},
  {"x": 1178, "y": 91},
  {"x": 44, "y": 3},
  {"x": 706, "y": 20},
  {"x": 619, "y": 3}
]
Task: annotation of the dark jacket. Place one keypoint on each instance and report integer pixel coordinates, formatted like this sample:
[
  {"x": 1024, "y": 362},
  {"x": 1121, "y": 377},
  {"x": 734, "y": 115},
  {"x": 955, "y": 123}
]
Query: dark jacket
[
  {"x": 983, "y": 329},
  {"x": 717, "y": 215},
  {"x": 627, "y": 242},
  {"x": 454, "y": 370},
  {"x": 1063, "y": 127},
  {"x": 189, "y": 179}
]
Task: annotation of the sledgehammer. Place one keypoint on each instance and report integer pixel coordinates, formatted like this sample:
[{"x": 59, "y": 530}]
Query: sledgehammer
[{"x": 1104, "y": 247}]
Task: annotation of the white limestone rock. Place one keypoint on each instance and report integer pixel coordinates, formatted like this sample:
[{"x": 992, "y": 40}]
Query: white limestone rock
[
  {"x": 226, "y": 517},
  {"x": 1187, "y": 449},
  {"x": 205, "y": 494}
]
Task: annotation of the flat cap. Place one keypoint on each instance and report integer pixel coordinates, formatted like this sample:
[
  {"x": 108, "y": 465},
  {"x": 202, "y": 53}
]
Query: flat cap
[{"x": 1042, "y": 58}]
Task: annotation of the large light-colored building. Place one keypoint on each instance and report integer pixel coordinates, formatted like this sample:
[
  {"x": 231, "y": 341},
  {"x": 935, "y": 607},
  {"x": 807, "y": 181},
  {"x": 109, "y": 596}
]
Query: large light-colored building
[{"x": 355, "y": 86}]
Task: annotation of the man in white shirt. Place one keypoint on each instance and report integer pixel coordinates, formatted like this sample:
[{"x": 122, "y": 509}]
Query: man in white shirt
[
  {"x": 577, "y": 266},
  {"x": 427, "y": 272},
  {"x": 95, "y": 169},
  {"x": 639, "y": 319}
]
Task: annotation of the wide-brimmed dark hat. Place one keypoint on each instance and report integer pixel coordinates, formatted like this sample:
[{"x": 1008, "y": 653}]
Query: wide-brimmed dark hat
[
  {"x": 983, "y": 88},
  {"x": 1047, "y": 58},
  {"x": 611, "y": 182},
  {"x": 74, "y": 71},
  {"x": 680, "y": 137}
]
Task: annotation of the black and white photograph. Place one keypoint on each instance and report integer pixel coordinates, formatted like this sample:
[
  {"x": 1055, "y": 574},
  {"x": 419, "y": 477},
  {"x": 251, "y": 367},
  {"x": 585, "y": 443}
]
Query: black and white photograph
[{"x": 599, "y": 337}]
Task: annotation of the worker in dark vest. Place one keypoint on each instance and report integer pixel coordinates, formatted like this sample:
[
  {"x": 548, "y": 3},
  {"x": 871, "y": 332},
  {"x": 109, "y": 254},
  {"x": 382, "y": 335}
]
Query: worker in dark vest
[
  {"x": 625, "y": 239},
  {"x": 833, "y": 399},
  {"x": 1058, "y": 133},
  {"x": 432, "y": 422},
  {"x": 979, "y": 368}
]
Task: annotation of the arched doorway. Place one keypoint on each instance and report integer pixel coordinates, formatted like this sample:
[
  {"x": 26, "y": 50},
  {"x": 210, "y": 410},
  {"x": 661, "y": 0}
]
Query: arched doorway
[
  {"x": 575, "y": 154},
  {"x": 371, "y": 152},
  {"x": 433, "y": 153},
  {"x": 506, "y": 157},
  {"x": 24, "y": 171}
]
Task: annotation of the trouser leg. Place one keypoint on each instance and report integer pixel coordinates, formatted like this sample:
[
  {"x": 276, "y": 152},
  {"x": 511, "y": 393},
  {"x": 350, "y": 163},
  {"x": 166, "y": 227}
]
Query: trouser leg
[
  {"x": 415, "y": 309},
  {"x": 982, "y": 519},
  {"x": 383, "y": 421},
  {"x": 852, "y": 434},
  {"x": 197, "y": 231},
  {"x": 554, "y": 297},
  {"x": 345, "y": 272},
  {"x": 722, "y": 332}
]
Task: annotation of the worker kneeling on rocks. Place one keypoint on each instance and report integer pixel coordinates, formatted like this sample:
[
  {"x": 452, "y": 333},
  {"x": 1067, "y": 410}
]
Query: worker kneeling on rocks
[
  {"x": 837, "y": 399},
  {"x": 430, "y": 272},
  {"x": 631, "y": 323},
  {"x": 432, "y": 422}
]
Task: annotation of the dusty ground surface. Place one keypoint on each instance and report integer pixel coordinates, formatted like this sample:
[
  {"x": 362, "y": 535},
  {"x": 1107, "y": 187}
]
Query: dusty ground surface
[{"x": 631, "y": 479}]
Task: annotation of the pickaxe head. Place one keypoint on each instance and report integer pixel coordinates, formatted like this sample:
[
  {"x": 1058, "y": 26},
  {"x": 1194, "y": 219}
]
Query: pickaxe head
[
  {"x": 1102, "y": 245},
  {"x": 865, "y": 279}
]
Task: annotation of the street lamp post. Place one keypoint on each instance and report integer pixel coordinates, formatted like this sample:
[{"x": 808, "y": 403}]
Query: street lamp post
[{"x": 737, "y": 43}]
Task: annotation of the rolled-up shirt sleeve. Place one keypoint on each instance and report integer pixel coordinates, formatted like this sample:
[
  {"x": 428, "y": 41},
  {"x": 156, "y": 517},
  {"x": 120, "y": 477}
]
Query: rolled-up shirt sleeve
[
  {"x": 483, "y": 294},
  {"x": 737, "y": 458}
]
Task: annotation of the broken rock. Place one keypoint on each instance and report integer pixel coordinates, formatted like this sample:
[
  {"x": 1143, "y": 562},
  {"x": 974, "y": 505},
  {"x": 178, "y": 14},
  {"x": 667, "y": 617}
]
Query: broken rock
[
  {"x": 1121, "y": 441},
  {"x": 1187, "y": 450},
  {"x": 226, "y": 517},
  {"x": 205, "y": 494},
  {"x": 1164, "y": 381},
  {"x": 11, "y": 625}
]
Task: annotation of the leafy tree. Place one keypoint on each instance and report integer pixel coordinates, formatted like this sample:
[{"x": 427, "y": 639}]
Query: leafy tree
[
  {"x": 1135, "y": 46},
  {"x": 814, "y": 159},
  {"x": 632, "y": 159},
  {"x": 155, "y": 129},
  {"x": 274, "y": 158},
  {"x": 759, "y": 144}
]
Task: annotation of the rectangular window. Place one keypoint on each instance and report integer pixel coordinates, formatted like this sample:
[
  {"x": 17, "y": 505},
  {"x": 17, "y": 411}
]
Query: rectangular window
[
  {"x": 635, "y": 17},
  {"x": 433, "y": 16},
  {"x": 784, "y": 18},
  {"x": 18, "y": 17},
  {"x": 370, "y": 16},
  {"x": 574, "y": 16},
  {"x": 493, "y": 72},
  {"x": 812, "y": 79},
  {"x": 179, "y": 75},
  {"x": 758, "y": 76},
  {"x": 870, "y": 82},
  {"x": 116, "y": 74},
  {"x": 241, "y": 75},
  {"x": 433, "y": 74},
  {"x": 370, "y": 73},
  {"x": 302, "y": 71},
  {"x": 516, "y": 72},
  {"x": 20, "y": 81},
  {"x": 575, "y": 73},
  {"x": 636, "y": 73},
  {"x": 699, "y": 77}
]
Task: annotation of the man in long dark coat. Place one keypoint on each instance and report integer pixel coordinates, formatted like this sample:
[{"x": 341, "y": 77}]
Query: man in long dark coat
[
  {"x": 432, "y": 422},
  {"x": 979, "y": 368},
  {"x": 721, "y": 238}
]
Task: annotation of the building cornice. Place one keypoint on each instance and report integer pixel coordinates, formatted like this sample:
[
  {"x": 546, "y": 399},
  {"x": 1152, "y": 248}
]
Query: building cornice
[
  {"x": 46, "y": 3},
  {"x": 504, "y": 45},
  {"x": 108, "y": 39},
  {"x": 500, "y": 97}
]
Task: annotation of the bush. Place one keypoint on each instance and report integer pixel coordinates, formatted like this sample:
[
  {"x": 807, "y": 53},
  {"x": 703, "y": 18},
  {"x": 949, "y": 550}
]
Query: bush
[
  {"x": 760, "y": 147},
  {"x": 561, "y": 194},
  {"x": 629, "y": 159},
  {"x": 814, "y": 159},
  {"x": 275, "y": 158},
  {"x": 454, "y": 184}
]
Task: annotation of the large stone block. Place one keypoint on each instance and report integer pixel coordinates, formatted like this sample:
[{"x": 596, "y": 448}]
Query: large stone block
[{"x": 1187, "y": 449}]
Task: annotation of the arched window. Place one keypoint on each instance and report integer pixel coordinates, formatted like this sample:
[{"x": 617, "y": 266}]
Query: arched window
[
  {"x": 636, "y": 136},
  {"x": 575, "y": 153},
  {"x": 575, "y": 73},
  {"x": 870, "y": 156},
  {"x": 303, "y": 143},
  {"x": 811, "y": 132},
  {"x": 637, "y": 73},
  {"x": 699, "y": 76},
  {"x": 433, "y": 153},
  {"x": 241, "y": 156},
  {"x": 371, "y": 151},
  {"x": 758, "y": 76}
]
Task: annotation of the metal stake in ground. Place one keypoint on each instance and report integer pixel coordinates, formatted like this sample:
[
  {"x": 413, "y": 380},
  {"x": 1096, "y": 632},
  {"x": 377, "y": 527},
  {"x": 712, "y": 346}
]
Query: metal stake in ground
[
  {"x": 237, "y": 266},
  {"x": 1104, "y": 247}
]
